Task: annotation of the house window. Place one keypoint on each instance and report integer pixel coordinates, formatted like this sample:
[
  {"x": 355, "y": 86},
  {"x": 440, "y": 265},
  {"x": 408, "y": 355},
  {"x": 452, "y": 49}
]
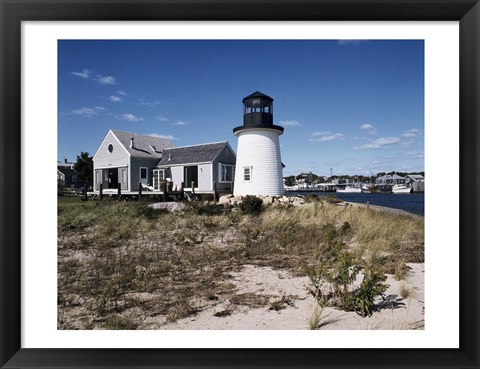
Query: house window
[
  {"x": 247, "y": 174},
  {"x": 124, "y": 175},
  {"x": 110, "y": 148},
  {"x": 144, "y": 175},
  {"x": 74, "y": 178},
  {"x": 158, "y": 177},
  {"x": 98, "y": 178},
  {"x": 227, "y": 172}
]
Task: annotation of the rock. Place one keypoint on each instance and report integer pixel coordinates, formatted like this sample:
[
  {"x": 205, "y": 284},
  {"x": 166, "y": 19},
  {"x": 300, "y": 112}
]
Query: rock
[
  {"x": 299, "y": 200},
  {"x": 224, "y": 199},
  {"x": 268, "y": 200},
  {"x": 171, "y": 206}
]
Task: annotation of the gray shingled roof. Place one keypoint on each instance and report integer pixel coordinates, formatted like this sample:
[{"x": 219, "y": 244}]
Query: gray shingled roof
[
  {"x": 142, "y": 144},
  {"x": 191, "y": 154}
]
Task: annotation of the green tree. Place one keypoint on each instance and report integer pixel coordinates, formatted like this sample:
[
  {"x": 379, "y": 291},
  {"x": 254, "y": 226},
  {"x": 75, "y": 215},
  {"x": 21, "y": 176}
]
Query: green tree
[
  {"x": 84, "y": 167},
  {"x": 290, "y": 181}
]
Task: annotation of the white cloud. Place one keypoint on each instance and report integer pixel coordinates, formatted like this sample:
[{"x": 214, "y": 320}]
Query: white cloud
[
  {"x": 83, "y": 74},
  {"x": 103, "y": 80},
  {"x": 411, "y": 133},
  {"x": 106, "y": 80},
  {"x": 150, "y": 104},
  {"x": 369, "y": 128},
  {"x": 129, "y": 117},
  {"x": 123, "y": 93},
  {"x": 289, "y": 123},
  {"x": 158, "y": 135},
  {"x": 87, "y": 112},
  {"x": 415, "y": 154},
  {"x": 115, "y": 99},
  {"x": 162, "y": 119},
  {"x": 326, "y": 136},
  {"x": 379, "y": 143},
  {"x": 181, "y": 123}
]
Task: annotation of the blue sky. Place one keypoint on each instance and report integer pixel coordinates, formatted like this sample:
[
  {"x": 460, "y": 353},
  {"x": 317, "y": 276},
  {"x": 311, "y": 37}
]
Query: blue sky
[{"x": 353, "y": 107}]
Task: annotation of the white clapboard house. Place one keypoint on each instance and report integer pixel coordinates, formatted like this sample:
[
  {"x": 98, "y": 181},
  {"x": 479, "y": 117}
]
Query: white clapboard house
[
  {"x": 129, "y": 160},
  {"x": 204, "y": 165}
]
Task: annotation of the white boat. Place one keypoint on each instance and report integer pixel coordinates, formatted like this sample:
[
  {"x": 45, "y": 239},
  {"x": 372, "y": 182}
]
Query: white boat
[
  {"x": 365, "y": 189},
  {"x": 350, "y": 189},
  {"x": 401, "y": 188}
]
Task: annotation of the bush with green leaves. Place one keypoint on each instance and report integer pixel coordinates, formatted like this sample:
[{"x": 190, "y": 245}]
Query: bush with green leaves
[
  {"x": 371, "y": 287},
  {"x": 334, "y": 275},
  {"x": 251, "y": 205}
]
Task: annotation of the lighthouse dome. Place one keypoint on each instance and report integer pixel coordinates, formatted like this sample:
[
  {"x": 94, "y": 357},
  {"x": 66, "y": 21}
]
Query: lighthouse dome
[{"x": 257, "y": 113}]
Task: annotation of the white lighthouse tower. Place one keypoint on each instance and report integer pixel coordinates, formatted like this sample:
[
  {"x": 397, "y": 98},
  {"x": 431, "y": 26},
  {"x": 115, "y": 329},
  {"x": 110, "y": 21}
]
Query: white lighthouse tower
[{"x": 258, "y": 170}]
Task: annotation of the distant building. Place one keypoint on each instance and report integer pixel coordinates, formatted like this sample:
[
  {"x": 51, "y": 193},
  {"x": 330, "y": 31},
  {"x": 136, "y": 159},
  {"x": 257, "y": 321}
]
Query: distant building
[
  {"x": 67, "y": 176},
  {"x": 60, "y": 177},
  {"x": 389, "y": 180},
  {"x": 416, "y": 181},
  {"x": 306, "y": 177},
  {"x": 341, "y": 181}
]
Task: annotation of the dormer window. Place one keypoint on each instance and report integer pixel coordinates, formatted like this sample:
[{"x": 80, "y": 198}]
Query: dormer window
[
  {"x": 110, "y": 148},
  {"x": 156, "y": 149}
]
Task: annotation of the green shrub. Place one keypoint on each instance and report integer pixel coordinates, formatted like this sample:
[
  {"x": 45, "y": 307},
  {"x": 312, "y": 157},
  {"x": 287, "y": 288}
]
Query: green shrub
[
  {"x": 371, "y": 287},
  {"x": 338, "y": 268},
  {"x": 251, "y": 205}
]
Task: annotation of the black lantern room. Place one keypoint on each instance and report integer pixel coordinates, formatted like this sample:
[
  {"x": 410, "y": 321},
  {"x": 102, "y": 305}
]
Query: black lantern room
[{"x": 257, "y": 112}]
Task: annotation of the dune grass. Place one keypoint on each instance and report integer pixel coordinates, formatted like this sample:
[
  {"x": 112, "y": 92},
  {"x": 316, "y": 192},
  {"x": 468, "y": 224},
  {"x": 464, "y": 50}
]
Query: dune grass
[{"x": 119, "y": 263}]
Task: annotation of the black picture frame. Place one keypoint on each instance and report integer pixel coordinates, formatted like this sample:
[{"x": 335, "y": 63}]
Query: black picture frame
[{"x": 13, "y": 12}]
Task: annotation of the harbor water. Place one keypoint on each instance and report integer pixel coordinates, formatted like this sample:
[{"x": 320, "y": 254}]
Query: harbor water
[{"x": 412, "y": 203}]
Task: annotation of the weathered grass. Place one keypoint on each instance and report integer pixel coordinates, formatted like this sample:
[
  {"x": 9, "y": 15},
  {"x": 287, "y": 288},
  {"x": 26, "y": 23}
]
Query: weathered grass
[
  {"x": 110, "y": 250},
  {"x": 406, "y": 291}
]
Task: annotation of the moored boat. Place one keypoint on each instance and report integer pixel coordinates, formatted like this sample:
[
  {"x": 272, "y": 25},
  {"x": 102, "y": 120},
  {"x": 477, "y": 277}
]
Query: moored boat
[
  {"x": 349, "y": 189},
  {"x": 365, "y": 188},
  {"x": 380, "y": 189},
  {"x": 401, "y": 188}
]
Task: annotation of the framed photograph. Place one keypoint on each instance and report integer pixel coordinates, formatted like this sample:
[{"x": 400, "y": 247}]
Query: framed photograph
[{"x": 86, "y": 76}]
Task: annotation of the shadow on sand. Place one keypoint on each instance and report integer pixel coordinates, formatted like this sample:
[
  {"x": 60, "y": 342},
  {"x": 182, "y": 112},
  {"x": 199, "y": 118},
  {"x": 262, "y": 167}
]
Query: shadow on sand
[{"x": 390, "y": 302}]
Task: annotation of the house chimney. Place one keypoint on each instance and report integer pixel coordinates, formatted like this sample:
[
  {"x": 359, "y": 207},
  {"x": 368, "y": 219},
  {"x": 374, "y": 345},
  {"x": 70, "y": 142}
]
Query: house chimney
[
  {"x": 131, "y": 142},
  {"x": 65, "y": 160}
]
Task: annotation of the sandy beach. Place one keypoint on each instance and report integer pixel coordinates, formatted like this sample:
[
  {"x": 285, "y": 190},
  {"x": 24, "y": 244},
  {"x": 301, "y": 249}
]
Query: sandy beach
[{"x": 292, "y": 307}]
